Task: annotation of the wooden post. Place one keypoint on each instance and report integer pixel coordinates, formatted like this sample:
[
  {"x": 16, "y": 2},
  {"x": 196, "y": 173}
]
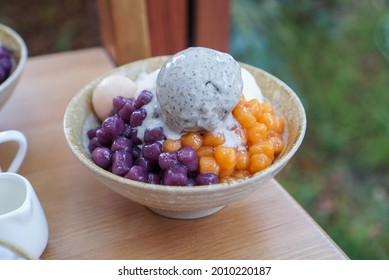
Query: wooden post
[
  {"x": 168, "y": 26},
  {"x": 212, "y": 24},
  {"x": 124, "y": 29},
  {"x": 137, "y": 29}
]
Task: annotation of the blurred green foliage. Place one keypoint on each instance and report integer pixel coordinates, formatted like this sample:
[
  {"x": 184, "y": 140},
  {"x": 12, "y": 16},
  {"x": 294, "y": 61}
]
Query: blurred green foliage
[{"x": 335, "y": 55}]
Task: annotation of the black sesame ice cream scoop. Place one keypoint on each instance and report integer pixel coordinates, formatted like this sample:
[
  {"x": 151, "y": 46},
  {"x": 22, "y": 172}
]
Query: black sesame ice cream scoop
[{"x": 198, "y": 88}]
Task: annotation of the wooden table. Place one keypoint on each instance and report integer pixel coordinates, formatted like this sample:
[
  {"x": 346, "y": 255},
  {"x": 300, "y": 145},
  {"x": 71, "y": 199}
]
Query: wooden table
[{"x": 88, "y": 221}]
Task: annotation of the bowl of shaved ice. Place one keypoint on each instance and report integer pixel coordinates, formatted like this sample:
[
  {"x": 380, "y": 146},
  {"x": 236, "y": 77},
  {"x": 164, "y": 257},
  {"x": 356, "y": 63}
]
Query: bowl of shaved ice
[
  {"x": 186, "y": 134},
  {"x": 13, "y": 57}
]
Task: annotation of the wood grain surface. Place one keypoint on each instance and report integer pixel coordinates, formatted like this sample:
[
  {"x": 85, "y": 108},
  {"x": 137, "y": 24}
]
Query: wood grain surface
[{"x": 88, "y": 221}]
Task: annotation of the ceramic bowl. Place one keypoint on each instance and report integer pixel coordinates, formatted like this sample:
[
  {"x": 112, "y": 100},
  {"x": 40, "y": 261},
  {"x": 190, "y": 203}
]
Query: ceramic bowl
[
  {"x": 18, "y": 48},
  {"x": 184, "y": 202}
]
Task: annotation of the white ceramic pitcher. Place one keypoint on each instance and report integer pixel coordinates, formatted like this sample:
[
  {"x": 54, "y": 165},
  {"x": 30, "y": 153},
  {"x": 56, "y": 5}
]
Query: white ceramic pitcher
[{"x": 23, "y": 223}]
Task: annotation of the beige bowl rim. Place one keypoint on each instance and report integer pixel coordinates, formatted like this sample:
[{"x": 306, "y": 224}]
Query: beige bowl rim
[{"x": 276, "y": 166}]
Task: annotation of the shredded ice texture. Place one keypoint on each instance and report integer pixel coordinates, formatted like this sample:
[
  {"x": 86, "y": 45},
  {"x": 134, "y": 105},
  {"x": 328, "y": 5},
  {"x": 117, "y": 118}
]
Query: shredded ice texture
[{"x": 197, "y": 89}]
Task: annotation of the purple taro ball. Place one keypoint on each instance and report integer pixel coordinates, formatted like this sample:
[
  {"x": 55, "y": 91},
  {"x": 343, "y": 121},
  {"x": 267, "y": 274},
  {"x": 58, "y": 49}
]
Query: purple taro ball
[{"x": 102, "y": 157}]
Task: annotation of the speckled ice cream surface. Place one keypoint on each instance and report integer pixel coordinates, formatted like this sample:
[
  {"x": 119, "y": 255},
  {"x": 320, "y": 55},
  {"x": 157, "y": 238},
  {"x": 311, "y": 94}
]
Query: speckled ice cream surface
[
  {"x": 197, "y": 89},
  {"x": 148, "y": 81}
]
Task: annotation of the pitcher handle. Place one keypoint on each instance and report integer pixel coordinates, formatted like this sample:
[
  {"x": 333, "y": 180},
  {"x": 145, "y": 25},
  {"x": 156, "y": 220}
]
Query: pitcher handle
[{"x": 15, "y": 136}]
